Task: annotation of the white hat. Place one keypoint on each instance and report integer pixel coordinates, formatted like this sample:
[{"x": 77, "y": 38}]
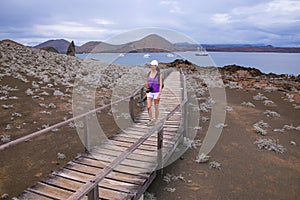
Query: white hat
[{"x": 154, "y": 62}]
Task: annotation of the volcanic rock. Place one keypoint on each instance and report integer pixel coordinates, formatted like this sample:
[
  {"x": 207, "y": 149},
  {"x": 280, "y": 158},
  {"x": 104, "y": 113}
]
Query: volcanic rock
[
  {"x": 8, "y": 42},
  {"x": 71, "y": 49},
  {"x": 182, "y": 64}
]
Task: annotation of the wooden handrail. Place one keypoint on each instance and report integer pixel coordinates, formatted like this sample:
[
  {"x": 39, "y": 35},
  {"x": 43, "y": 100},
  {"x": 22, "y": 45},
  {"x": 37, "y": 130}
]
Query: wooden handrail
[
  {"x": 37, "y": 133},
  {"x": 40, "y": 132}
]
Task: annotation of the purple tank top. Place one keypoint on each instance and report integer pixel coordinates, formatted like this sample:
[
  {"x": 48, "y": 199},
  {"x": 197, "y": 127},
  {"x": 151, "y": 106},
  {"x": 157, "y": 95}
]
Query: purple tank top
[{"x": 154, "y": 82}]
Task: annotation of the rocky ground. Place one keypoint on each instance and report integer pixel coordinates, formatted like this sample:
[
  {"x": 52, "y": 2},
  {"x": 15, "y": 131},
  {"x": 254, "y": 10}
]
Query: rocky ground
[{"x": 39, "y": 89}]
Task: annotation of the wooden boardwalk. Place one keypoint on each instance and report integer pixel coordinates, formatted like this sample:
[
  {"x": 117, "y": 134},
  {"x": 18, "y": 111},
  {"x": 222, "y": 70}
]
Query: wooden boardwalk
[{"x": 130, "y": 178}]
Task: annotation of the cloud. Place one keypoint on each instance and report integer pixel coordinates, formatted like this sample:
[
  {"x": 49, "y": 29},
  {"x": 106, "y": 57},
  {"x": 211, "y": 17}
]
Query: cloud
[
  {"x": 101, "y": 21},
  {"x": 174, "y": 7},
  {"x": 221, "y": 18},
  {"x": 283, "y": 6},
  {"x": 79, "y": 32},
  {"x": 67, "y": 28},
  {"x": 272, "y": 22},
  {"x": 277, "y": 12}
]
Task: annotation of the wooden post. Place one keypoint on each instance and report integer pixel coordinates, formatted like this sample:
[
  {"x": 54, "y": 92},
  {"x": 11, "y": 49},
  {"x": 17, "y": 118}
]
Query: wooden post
[
  {"x": 185, "y": 119},
  {"x": 160, "y": 140},
  {"x": 94, "y": 194},
  {"x": 86, "y": 134},
  {"x": 185, "y": 106},
  {"x": 131, "y": 108}
]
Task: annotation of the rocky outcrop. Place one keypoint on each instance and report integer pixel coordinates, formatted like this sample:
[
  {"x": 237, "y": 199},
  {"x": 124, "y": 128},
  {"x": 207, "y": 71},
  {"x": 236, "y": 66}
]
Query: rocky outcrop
[
  {"x": 182, "y": 64},
  {"x": 7, "y": 41},
  {"x": 71, "y": 49},
  {"x": 240, "y": 71},
  {"x": 252, "y": 78}
]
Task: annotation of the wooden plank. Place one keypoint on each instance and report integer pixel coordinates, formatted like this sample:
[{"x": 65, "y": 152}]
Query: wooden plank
[
  {"x": 166, "y": 125},
  {"x": 171, "y": 129},
  {"x": 92, "y": 161},
  {"x": 142, "y": 122},
  {"x": 69, "y": 184},
  {"x": 143, "y": 147},
  {"x": 128, "y": 144},
  {"x": 137, "y": 151},
  {"x": 113, "y": 195},
  {"x": 142, "y": 128},
  {"x": 86, "y": 175},
  {"x": 50, "y": 191},
  {"x": 63, "y": 183},
  {"x": 167, "y": 134},
  {"x": 27, "y": 195},
  {"x": 169, "y": 122},
  {"x": 132, "y": 139},
  {"x": 128, "y": 162},
  {"x": 134, "y": 133},
  {"x": 133, "y": 156},
  {"x": 162, "y": 113}
]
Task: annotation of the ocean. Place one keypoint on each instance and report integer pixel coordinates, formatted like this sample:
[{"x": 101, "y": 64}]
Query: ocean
[{"x": 279, "y": 63}]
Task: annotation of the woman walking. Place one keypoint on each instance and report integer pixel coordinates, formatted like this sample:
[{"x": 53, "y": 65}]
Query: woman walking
[{"x": 153, "y": 89}]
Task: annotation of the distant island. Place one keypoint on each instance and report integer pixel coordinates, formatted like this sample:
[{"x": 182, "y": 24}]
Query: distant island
[{"x": 156, "y": 43}]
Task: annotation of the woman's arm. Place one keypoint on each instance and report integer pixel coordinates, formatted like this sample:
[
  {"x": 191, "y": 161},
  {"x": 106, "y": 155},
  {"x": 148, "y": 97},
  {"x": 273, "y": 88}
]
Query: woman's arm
[
  {"x": 147, "y": 81},
  {"x": 160, "y": 83}
]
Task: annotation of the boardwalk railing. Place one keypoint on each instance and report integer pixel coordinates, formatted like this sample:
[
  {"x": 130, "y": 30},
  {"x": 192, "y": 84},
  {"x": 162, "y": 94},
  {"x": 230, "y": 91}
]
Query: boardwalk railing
[
  {"x": 140, "y": 89},
  {"x": 91, "y": 188}
]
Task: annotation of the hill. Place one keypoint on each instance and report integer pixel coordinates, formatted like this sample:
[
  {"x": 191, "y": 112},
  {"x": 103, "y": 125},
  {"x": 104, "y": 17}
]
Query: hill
[
  {"x": 50, "y": 49},
  {"x": 252, "y": 48},
  {"x": 238, "y": 48},
  {"x": 150, "y": 43},
  {"x": 97, "y": 47},
  {"x": 8, "y": 41},
  {"x": 60, "y": 45}
]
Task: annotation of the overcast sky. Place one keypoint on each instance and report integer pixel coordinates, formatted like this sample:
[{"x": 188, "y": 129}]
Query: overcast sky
[{"x": 275, "y": 22}]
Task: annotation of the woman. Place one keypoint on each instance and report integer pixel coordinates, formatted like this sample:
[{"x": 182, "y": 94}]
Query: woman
[{"x": 153, "y": 89}]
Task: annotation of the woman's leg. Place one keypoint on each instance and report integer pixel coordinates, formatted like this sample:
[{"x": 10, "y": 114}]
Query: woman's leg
[
  {"x": 149, "y": 104},
  {"x": 156, "y": 103}
]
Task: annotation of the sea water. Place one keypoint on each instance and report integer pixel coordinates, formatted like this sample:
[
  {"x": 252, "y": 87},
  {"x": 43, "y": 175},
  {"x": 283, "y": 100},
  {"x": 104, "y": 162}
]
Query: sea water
[{"x": 279, "y": 63}]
